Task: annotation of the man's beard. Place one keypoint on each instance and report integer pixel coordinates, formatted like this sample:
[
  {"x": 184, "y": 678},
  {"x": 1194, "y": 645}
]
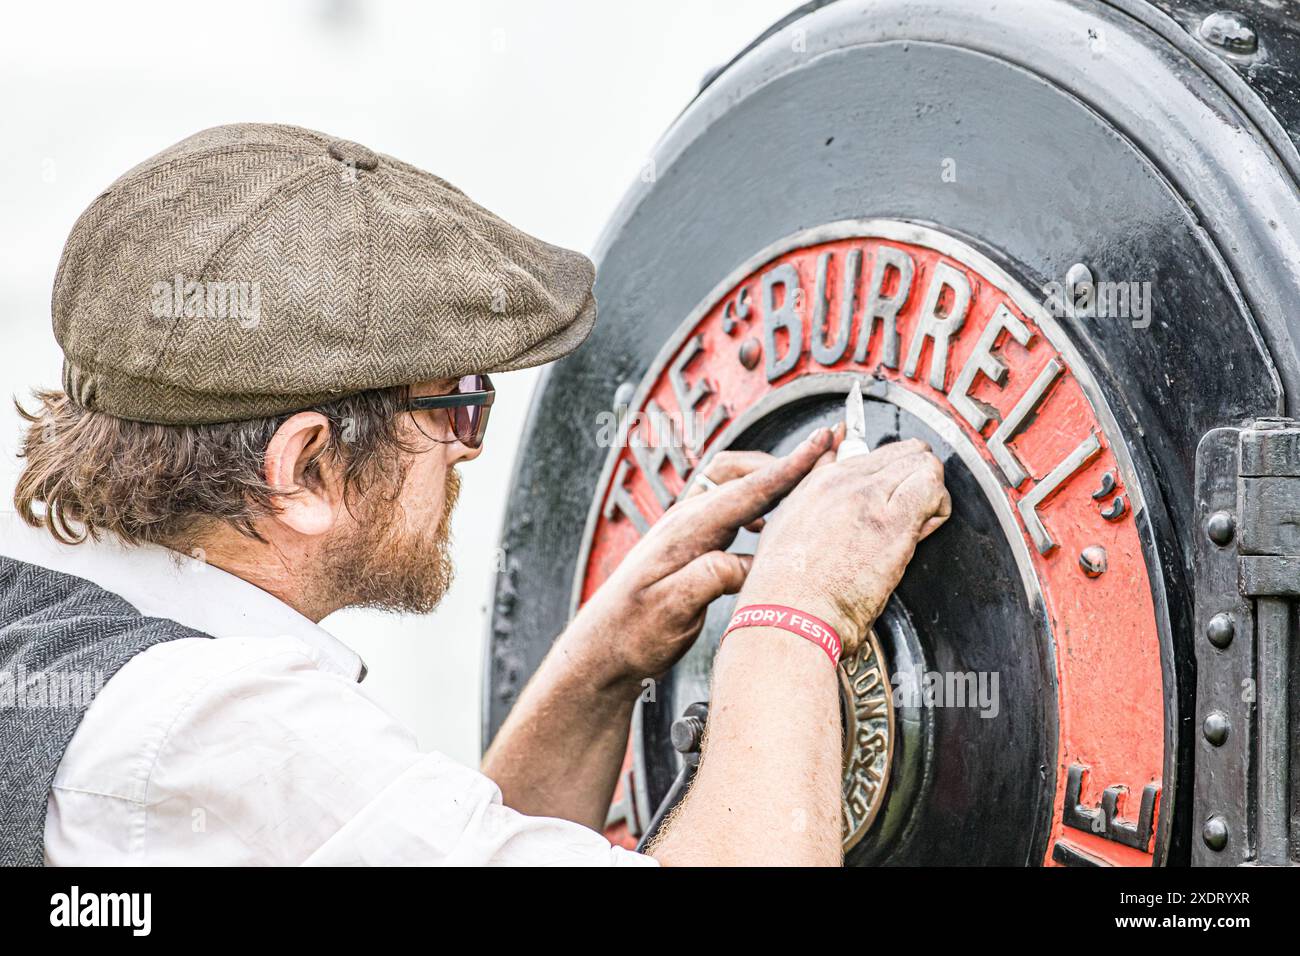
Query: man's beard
[{"x": 387, "y": 566}]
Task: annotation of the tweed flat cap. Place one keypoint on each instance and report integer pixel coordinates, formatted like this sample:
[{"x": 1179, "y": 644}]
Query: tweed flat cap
[{"x": 256, "y": 269}]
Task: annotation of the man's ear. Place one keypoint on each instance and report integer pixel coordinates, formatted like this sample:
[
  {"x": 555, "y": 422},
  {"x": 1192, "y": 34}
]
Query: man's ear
[{"x": 308, "y": 507}]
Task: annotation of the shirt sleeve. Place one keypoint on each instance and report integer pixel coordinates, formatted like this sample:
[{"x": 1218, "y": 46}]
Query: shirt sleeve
[
  {"x": 470, "y": 828},
  {"x": 270, "y": 760}
]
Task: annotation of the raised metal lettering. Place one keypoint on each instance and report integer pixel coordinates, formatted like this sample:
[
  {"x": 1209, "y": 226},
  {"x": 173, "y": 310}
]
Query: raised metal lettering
[
  {"x": 938, "y": 326},
  {"x": 689, "y": 397},
  {"x": 620, "y": 501},
  {"x": 821, "y": 352},
  {"x": 1105, "y": 820},
  {"x": 1088, "y": 449},
  {"x": 885, "y": 308},
  {"x": 1015, "y": 472},
  {"x": 786, "y": 317},
  {"x": 983, "y": 360},
  {"x": 661, "y": 448}
]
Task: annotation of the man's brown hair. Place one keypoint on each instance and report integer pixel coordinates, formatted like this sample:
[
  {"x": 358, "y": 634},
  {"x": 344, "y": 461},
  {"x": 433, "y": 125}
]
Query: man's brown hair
[{"x": 87, "y": 472}]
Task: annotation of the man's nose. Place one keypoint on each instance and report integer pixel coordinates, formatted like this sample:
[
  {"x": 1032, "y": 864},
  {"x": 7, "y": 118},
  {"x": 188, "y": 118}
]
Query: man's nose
[{"x": 460, "y": 452}]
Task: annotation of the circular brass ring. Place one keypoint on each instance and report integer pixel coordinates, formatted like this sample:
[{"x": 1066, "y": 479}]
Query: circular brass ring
[{"x": 867, "y": 706}]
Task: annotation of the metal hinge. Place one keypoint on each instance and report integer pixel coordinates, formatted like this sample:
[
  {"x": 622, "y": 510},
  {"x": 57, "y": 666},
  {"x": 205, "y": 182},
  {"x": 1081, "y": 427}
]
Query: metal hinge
[{"x": 1247, "y": 567}]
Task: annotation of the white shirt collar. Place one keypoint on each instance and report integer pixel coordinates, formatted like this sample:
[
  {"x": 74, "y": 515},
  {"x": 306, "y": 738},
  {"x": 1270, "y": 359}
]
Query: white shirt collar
[{"x": 163, "y": 583}]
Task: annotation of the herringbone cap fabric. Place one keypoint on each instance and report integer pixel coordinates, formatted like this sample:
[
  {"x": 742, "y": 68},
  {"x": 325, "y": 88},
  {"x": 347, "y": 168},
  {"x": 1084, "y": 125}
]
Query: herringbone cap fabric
[{"x": 256, "y": 269}]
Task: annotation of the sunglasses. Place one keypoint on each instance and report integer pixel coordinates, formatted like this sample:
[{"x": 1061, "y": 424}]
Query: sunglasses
[{"x": 467, "y": 409}]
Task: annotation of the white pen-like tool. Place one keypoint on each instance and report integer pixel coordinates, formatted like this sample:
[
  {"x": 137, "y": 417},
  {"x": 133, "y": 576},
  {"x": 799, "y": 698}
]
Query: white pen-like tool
[{"x": 855, "y": 426}]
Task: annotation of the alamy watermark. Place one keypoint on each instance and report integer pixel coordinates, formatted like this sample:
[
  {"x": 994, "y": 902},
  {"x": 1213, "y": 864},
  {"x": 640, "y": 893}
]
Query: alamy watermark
[
  {"x": 207, "y": 299},
  {"x": 653, "y": 428},
  {"x": 48, "y": 690},
  {"x": 133, "y": 911},
  {"x": 1086, "y": 299},
  {"x": 977, "y": 690}
]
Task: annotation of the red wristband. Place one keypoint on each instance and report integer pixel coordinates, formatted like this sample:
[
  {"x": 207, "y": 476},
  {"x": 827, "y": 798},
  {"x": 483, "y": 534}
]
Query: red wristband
[{"x": 788, "y": 619}]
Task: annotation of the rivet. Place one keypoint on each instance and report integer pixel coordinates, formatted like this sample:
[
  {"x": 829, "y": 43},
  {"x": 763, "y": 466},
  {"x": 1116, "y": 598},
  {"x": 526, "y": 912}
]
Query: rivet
[
  {"x": 623, "y": 395},
  {"x": 1221, "y": 629},
  {"x": 1215, "y": 833},
  {"x": 750, "y": 353},
  {"x": 1229, "y": 31},
  {"x": 1221, "y": 526},
  {"x": 1216, "y": 728},
  {"x": 1093, "y": 560}
]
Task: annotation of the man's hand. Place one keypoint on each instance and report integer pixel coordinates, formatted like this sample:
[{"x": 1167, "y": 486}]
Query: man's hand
[
  {"x": 649, "y": 612},
  {"x": 838, "y": 545},
  {"x": 559, "y": 751},
  {"x": 767, "y": 790}
]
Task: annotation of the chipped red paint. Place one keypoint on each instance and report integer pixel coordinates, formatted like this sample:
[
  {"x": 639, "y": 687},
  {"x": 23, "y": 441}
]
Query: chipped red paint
[{"x": 1105, "y": 630}]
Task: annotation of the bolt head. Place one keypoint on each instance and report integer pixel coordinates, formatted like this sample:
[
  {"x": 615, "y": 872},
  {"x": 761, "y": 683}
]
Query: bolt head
[
  {"x": 1093, "y": 560},
  {"x": 1221, "y": 526},
  {"x": 686, "y": 734},
  {"x": 1221, "y": 629},
  {"x": 1229, "y": 31},
  {"x": 1215, "y": 833},
  {"x": 1216, "y": 728},
  {"x": 623, "y": 395},
  {"x": 750, "y": 353},
  {"x": 1077, "y": 275}
]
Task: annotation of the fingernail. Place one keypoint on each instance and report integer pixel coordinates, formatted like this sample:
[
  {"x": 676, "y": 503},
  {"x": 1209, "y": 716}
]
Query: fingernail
[{"x": 818, "y": 435}]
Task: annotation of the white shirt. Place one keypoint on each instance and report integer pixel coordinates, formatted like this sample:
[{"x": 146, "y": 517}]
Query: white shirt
[{"x": 260, "y": 746}]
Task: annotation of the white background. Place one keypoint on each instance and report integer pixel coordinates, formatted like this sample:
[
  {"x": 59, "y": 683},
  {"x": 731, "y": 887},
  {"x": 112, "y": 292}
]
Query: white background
[{"x": 542, "y": 111}]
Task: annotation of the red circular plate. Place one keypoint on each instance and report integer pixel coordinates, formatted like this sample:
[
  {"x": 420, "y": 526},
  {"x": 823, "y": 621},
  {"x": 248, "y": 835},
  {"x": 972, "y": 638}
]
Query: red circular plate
[{"x": 989, "y": 358}]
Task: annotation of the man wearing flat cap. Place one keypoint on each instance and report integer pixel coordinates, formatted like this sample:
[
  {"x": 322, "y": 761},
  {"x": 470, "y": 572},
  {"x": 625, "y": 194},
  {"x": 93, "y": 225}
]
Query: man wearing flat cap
[{"x": 277, "y": 347}]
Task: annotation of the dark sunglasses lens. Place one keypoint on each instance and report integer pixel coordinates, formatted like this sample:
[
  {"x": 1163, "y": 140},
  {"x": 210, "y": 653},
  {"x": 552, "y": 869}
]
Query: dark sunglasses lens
[
  {"x": 470, "y": 421},
  {"x": 464, "y": 423},
  {"x": 476, "y": 425}
]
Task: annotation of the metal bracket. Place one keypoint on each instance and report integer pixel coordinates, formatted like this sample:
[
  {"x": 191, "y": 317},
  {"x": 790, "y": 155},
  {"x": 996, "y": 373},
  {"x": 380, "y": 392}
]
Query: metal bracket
[{"x": 1247, "y": 567}]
